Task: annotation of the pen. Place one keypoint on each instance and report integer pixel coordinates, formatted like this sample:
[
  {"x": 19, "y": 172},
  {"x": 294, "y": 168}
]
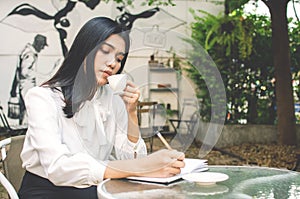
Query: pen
[{"x": 163, "y": 140}]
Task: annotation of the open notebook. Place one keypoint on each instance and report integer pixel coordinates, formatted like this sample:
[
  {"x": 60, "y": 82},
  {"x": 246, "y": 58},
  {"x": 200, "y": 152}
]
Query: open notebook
[{"x": 191, "y": 166}]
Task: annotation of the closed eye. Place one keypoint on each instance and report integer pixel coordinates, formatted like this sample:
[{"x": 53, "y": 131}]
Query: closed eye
[{"x": 105, "y": 49}]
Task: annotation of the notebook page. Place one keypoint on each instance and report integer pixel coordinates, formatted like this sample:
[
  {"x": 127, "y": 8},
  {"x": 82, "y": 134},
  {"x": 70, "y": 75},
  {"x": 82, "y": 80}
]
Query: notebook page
[{"x": 191, "y": 165}]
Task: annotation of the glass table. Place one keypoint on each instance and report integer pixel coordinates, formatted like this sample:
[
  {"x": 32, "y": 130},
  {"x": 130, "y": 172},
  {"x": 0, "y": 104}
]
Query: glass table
[{"x": 244, "y": 182}]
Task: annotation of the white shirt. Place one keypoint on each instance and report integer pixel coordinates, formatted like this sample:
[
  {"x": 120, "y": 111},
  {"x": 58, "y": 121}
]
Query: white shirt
[{"x": 74, "y": 151}]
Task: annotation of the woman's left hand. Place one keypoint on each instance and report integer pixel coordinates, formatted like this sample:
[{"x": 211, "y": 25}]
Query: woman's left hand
[{"x": 131, "y": 96}]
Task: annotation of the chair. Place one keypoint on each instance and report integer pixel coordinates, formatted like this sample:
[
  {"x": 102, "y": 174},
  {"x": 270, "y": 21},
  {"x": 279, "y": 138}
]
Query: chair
[
  {"x": 186, "y": 126},
  {"x": 9, "y": 129},
  {"x": 8, "y": 186},
  {"x": 186, "y": 129},
  {"x": 11, "y": 161},
  {"x": 146, "y": 117},
  {"x": 189, "y": 107}
]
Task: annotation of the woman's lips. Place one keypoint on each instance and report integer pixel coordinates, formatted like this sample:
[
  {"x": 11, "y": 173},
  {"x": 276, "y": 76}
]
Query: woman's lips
[{"x": 107, "y": 73}]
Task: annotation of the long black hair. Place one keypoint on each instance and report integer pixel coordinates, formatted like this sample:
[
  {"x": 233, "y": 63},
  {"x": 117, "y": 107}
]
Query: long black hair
[{"x": 76, "y": 76}]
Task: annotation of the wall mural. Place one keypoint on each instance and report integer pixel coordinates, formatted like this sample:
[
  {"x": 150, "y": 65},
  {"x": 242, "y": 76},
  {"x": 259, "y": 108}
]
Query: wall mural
[
  {"x": 60, "y": 21},
  {"x": 25, "y": 72},
  {"x": 24, "y": 77}
]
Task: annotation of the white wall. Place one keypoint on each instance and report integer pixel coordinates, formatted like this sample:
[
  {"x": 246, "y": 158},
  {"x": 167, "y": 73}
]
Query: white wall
[{"x": 13, "y": 39}]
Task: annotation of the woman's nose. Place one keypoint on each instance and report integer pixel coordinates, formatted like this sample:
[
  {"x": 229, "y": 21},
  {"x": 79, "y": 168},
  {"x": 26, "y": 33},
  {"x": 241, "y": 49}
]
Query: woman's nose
[{"x": 111, "y": 63}]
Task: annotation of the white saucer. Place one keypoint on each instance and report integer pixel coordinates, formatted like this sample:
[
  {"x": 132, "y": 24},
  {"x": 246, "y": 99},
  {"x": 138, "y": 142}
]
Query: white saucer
[
  {"x": 206, "y": 178},
  {"x": 209, "y": 190}
]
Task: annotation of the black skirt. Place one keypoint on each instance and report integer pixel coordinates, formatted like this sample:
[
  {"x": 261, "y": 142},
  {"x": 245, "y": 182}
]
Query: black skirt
[{"x": 36, "y": 187}]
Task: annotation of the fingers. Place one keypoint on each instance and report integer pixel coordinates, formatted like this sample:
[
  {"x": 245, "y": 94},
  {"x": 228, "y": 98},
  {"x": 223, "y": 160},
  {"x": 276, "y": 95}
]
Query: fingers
[
  {"x": 130, "y": 84},
  {"x": 178, "y": 164},
  {"x": 174, "y": 154},
  {"x": 173, "y": 158},
  {"x": 131, "y": 87},
  {"x": 130, "y": 97},
  {"x": 131, "y": 93},
  {"x": 171, "y": 171},
  {"x": 174, "y": 168},
  {"x": 165, "y": 163}
]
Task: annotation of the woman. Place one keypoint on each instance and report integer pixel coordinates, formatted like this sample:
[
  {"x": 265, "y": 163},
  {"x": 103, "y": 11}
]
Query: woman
[{"x": 76, "y": 123}]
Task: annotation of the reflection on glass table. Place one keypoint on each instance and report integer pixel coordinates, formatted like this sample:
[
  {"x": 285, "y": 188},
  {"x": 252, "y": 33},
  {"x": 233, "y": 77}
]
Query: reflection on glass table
[{"x": 244, "y": 182}]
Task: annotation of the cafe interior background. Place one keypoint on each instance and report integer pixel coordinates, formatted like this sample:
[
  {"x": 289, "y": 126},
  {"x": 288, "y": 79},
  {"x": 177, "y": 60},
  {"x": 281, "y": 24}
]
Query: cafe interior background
[{"x": 167, "y": 24}]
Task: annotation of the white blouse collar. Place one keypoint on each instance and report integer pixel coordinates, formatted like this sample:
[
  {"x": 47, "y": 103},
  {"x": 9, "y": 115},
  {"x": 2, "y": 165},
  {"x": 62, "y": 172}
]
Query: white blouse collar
[{"x": 93, "y": 114}]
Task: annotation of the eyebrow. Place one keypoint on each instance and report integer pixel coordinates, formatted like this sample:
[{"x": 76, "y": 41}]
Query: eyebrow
[{"x": 113, "y": 47}]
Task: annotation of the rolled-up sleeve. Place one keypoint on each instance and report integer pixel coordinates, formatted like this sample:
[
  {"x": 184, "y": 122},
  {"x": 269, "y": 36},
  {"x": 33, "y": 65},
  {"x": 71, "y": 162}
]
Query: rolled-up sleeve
[{"x": 44, "y": 153}]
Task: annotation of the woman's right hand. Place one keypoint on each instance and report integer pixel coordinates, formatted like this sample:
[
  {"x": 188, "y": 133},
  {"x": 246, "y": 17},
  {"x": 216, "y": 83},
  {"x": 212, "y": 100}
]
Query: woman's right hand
[{"x": 163, "y": 163}]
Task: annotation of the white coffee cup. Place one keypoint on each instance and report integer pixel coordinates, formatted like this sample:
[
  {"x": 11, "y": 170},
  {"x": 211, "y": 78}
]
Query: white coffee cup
[{"x": 117, "y": 82}]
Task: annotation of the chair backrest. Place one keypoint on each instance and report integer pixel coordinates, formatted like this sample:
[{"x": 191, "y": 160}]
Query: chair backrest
[
  {"x": 186, "y": 131},
  {"x": 12, "y": 163},
  {"x": 194, "y": 124},
  {"x": 4, "y": 120},
  {"x": 190, "y": 126},
  {"x": 146, "y": 117},
  {"x": 189, "y": 105},
  {"x": 146, "y": 108},
  {"x": 11, "y": 130},
  {"x": 8, "y": 186}
]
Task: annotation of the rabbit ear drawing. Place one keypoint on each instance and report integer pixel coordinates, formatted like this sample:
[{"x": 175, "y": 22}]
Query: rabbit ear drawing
[
  {"x": 91, "y": 4},
  {"x": 27, "y": 9},
  {"x": 127, "y": 19}
]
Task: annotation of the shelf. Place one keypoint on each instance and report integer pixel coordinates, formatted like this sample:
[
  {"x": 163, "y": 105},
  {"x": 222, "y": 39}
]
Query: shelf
[
  {"x": 161, "y": 69},
  {"x": 164, "y": 89},
  {"x": 165, "y": 86}
]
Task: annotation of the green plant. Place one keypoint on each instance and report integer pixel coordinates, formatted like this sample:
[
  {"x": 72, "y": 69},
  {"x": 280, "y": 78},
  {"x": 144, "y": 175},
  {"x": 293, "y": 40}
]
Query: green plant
[{"x": 238, "y": 45}]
